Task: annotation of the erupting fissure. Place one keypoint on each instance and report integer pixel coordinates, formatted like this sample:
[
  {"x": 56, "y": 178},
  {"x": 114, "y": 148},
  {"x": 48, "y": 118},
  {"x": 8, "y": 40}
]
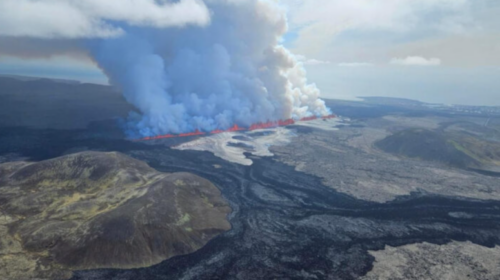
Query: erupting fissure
[{"x": 234, "y": 128}]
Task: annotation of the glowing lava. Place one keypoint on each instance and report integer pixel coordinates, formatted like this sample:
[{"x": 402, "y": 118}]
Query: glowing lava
[{"x": 234, "y": 128}]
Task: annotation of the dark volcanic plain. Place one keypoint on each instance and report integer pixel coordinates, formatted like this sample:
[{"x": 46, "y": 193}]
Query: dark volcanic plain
[{"x": 289, "y": 224}]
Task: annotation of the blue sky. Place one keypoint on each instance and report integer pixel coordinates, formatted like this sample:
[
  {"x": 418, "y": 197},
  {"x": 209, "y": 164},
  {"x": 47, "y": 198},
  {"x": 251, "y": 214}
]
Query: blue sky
[
  {"x": 439, "y": 51},
  {"x": 444, "y": 51}
]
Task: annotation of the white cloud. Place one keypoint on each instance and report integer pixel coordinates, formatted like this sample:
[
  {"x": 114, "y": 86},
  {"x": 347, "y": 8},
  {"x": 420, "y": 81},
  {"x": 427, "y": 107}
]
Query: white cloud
[
  {"x": 416, "y": 61},
  {"x": 354, "y": 64},
  {"x": 316, "y": 62},
  {"x": 374, "y": 14},
  {"x": 317, "y": 22},
  {"x": 310, "y": 61},
  {"x": 91, "y": 18},
  {"x": 457, "y": 51}
]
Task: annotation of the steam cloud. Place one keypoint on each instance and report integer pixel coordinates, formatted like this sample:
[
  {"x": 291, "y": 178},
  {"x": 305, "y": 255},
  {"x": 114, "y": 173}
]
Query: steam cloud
[{"x": 205, "y": 73}]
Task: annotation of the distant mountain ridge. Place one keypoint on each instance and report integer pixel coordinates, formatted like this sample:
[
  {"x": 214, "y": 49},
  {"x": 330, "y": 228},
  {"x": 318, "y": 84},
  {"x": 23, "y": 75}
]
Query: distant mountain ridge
[
  {"x": 45, "y": 103},
  {"x": 32, "y": 78}
]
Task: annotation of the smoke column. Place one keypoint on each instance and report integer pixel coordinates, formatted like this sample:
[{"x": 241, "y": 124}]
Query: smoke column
[{"x": 231, "y": 70}]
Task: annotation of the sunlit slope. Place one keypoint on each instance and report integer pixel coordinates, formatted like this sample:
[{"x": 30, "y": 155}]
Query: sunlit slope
[
  {"x": 459, "y": 149},
  {"x": 101, "y": 210}
]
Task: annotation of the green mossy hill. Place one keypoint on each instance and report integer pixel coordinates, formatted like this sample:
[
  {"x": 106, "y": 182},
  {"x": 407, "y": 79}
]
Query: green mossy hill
[
  {"x": 486, "y": 152},
  {"x": 101, "y": 210},
  {"x": 426, "y": 145}
]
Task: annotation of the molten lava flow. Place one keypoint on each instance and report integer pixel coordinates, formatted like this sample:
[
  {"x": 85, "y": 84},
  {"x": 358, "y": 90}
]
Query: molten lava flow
[
  {"x": 235, "y": 128},
  {"x": 164, "y": 136},
  {"x": 217, "y": 131},
  {"x": 195, "y": 133},
  {"x": 269, "y": 124},
  {"x": 286, "y": 122},
  {"x": 262, "y": 125},
  {"x": 232, "y": 129},
  {"x": 306, "y": 119}
]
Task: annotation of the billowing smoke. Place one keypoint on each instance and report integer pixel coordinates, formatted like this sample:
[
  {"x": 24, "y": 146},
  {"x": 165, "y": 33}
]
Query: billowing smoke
[
  {"x": 220, "y": 66},
  {"x": 230, "y": 71}
]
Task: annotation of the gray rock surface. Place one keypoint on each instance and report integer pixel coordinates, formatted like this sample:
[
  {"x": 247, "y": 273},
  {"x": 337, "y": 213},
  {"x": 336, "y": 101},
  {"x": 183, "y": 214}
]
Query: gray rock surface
[{"x": 424, "y": 261}]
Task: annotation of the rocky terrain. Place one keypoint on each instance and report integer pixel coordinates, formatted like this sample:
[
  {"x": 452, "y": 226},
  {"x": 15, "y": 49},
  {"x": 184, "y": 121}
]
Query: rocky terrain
[
  {"x": 328, "y": 204},
  {"x": 350, "y": 160},
  {"x": 456, "y": 260},
  {"x": 287, "y": 225},
  {"x": 100, "y": 210}
]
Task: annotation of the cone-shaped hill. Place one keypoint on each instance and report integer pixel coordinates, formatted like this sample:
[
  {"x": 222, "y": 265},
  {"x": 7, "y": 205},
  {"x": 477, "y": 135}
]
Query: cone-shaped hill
[{"x": 100, "y": 210}]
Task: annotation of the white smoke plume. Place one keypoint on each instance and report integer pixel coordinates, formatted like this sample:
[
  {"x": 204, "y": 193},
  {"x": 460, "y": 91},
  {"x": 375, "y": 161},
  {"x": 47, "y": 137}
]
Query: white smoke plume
[{"x": 203, "y": 74}]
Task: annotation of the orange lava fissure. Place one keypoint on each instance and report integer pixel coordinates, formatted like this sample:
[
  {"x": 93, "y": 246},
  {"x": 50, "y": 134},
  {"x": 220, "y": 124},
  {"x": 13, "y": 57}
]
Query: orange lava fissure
[{"x": 234, "y": 128}]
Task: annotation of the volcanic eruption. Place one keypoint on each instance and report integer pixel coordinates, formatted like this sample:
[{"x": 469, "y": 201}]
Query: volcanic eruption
[
  {"x": 209, "y": 76},
  {"x": 186, "y": 65}
]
